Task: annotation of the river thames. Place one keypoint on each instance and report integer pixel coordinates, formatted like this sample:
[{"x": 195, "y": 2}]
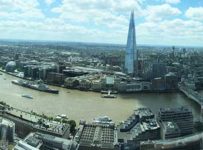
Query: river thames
[{"x": 79, "y": 105}]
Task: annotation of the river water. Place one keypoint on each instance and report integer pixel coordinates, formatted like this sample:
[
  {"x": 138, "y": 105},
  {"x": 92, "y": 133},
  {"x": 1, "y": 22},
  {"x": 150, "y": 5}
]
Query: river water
[{"x": 79, "y": 105}]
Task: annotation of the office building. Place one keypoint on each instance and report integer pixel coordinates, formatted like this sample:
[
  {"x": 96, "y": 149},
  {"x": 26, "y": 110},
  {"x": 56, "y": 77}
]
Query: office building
[
  {"x": 158, "y": 84},
  {"x": 140, "y": 126},
  {"x": 169, "y": 130},
  {"x": 182, "y": 116},
  {"x": 93, "y": 136},
  {"x": 171, "y": 81},
  {"x": 130, "y": 49},
  {"x": 7, "y": 130},
  {"x": 158, "y": 70},
  {"x": 55, "y": 78},
  {"x": 39, "y": 141}
]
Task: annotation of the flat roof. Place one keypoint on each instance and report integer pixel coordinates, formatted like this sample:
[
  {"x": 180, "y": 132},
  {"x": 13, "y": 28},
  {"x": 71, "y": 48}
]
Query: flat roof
[
  {"x": 6, "y": 122},
  {"x": 98, "y": 135}
]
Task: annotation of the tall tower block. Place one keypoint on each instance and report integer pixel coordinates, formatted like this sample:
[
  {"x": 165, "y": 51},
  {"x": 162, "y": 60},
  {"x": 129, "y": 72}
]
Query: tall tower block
[{"x": 131, "y": 48}]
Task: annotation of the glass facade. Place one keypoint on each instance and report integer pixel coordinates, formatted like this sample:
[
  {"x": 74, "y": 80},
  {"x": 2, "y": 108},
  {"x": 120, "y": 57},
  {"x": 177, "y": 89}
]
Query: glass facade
[{"x": 130, "y": 48}]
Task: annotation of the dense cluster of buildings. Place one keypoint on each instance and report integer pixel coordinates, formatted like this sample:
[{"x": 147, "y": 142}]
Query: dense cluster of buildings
[
  {"x": 137, "y": 69},
  {"x": 153, "y": 75},
  {"x": 134, "y": 71},
  {"x": 140, "y": 131}
]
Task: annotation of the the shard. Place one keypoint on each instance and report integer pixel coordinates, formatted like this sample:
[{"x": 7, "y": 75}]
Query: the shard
[{"x": 131, "y": 48}]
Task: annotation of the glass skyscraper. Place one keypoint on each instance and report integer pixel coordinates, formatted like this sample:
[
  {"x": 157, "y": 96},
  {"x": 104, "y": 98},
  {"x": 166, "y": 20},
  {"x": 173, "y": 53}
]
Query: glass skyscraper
[{"x": 130, "y": 48}]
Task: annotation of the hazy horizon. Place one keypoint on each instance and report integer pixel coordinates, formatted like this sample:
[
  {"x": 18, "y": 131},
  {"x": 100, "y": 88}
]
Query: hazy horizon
[{"x": 92, "y": 43}]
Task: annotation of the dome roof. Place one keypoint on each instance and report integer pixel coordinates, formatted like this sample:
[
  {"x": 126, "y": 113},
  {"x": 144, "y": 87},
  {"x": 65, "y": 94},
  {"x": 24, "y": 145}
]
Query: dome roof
[{"x": 11, "y": 64}]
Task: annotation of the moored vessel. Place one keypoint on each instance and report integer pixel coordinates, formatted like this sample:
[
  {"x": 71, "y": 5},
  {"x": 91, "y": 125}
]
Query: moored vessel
[{"x": 35, "y": 85}]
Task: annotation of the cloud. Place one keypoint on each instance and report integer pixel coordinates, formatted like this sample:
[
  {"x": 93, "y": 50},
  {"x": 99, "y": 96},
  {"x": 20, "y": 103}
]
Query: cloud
[
  {"x": 20, "y": 10},
  {"x": 173, "y": 1},
  {"x": 169, "y": 32},
  {"x": 100, "y": 21},
  {"x": 195, "y": 13},
  {"x": 103, "y": 14},
  {"x": 159, "y": 12},
  {"x": 49, "y": 2},
  {"x": 55, "y": 30},
  {"x": 18, "y": 5}
]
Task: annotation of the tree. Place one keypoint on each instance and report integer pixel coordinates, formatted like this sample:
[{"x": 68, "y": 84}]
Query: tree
[
  {"x": 40, "y": 122},
  {"x": 72, "y": 124}
]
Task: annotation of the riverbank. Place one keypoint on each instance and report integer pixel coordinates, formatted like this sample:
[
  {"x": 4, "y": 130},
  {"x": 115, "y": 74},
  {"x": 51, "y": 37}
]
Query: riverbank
[
  {"x": 62, "y": 86},
  {"x": 79, "y": 105}
]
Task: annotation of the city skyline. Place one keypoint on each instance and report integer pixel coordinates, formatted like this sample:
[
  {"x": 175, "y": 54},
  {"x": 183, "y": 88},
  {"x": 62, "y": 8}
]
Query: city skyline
[
  {"x": 71, "y": 78},
  {"x": 158, "y": 22}
]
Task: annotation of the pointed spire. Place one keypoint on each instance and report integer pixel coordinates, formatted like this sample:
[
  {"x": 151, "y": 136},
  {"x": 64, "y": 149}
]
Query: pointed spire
[
  {"x": 132, "y": 15},
  {"x": 132, "y": 24}
]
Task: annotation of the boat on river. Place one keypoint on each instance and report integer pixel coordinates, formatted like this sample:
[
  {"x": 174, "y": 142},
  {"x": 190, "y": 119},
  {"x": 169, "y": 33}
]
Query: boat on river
[
  {"x": 103, "y": 120},
  {"x": 27, "y": 96},
  {"x": 35, "y": 85},
  {"x": 108, "y": 94}
]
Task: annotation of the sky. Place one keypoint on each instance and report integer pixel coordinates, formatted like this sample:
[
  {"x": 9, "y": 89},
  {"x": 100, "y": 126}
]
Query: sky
[{"x": 158, "y": 22}]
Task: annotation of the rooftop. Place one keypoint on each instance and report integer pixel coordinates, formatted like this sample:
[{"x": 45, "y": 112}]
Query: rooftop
[
  {"x": 97, "y": 135},
  {"x": 170, "y": 127},
  {"x": 144, "y": 112},
  {"x": 176, "y": 110},
  {"x": 35, "y": 141},
  {"x": 6, "y": 122},
  {"x": 33, "y": 120},
  {"x": 141, "y": 121}
]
